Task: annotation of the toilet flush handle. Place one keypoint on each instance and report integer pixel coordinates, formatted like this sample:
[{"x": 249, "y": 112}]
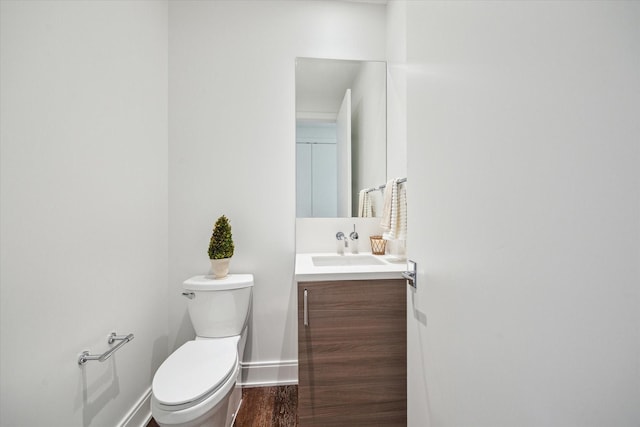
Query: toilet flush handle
[{"x": 189, "y": 295}]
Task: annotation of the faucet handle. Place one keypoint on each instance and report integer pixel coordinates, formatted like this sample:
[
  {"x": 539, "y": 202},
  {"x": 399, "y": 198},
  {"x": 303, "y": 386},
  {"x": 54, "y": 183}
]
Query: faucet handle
[
  {"x": 354, "y": 233},
  {"x": 340, "y": 235}
]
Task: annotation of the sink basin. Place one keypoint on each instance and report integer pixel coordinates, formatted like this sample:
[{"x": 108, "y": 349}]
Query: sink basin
[
  {"x": 329, "y": 266},
  {"x": 344, "y": 260}
]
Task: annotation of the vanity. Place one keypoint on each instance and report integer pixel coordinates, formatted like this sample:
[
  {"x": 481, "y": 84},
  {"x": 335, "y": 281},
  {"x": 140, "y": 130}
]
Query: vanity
[{"x": 351, "y": 340}]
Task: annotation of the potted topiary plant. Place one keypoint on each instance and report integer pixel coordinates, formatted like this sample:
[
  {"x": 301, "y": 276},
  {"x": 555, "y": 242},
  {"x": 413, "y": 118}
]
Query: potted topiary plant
[{"x": 221, "y": 247}]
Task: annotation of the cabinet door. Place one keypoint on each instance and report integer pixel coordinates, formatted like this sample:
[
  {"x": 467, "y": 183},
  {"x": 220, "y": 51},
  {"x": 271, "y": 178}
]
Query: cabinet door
[{"x": 352, "y": 353}]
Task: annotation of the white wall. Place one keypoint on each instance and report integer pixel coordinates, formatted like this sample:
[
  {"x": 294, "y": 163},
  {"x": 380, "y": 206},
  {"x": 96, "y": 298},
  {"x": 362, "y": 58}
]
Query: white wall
[
  {"x": 396, "y": 45},
  {"x": 83, "y": 207},
  {"x": 232, "y": 147},
  {"x": 319, "y": 234},
  {"x": 524, "y": 210}
]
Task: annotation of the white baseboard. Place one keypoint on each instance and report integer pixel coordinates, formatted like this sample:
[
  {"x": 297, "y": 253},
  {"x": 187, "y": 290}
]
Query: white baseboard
[
  {"x": 262, "y": 374},
  {"x": 140, "y": 414}
]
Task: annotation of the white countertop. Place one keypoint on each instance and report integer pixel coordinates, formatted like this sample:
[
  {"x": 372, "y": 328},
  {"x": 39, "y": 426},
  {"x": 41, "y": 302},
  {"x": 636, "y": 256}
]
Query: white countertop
[{"x": 391, "y": 268}]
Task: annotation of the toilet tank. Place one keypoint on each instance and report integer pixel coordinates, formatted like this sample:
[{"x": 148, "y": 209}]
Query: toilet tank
[{"x": 219, "y": 307}]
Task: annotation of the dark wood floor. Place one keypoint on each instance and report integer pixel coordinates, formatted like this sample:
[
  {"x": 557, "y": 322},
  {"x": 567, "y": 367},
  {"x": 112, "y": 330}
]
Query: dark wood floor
[
  {"x": 268, "y": 406},
  {"x": 265, "y": 407}
]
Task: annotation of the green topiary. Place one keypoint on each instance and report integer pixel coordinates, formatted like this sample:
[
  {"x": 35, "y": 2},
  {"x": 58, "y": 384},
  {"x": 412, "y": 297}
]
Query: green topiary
[{"x": 221, "y": 243}]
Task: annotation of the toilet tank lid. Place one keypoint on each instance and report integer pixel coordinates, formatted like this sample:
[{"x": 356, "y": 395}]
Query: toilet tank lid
[{"x": 209, "y": 283}]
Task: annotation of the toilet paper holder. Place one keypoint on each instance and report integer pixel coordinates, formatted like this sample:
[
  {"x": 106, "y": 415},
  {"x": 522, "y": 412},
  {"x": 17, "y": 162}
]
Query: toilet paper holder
[{"x": 86, "y": 356}]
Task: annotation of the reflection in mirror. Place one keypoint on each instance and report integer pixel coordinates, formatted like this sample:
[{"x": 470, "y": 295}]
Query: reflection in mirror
[{"x": 341, "y": 132}]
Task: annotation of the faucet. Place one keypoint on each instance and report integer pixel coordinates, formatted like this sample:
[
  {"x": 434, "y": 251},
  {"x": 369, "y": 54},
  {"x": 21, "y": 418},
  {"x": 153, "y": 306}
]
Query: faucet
[
  {"x": 340, "y": 236},
  {"x": 354, "y": 237}
]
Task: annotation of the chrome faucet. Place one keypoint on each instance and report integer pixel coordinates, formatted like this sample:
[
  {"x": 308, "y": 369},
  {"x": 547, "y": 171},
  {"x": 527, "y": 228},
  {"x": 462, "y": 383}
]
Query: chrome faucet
[
  {"x": 354, "y": 234},
  {"x": 340, "y": 236},
  {"x": 354, "y": 237}
]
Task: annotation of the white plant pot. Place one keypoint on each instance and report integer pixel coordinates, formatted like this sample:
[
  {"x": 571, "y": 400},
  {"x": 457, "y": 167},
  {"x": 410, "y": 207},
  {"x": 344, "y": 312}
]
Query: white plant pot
[{"x": 220, "y": 267}]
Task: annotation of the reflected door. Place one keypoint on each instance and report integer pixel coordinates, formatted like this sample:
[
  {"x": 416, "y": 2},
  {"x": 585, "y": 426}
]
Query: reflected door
[{"x": 316, "y": 175}]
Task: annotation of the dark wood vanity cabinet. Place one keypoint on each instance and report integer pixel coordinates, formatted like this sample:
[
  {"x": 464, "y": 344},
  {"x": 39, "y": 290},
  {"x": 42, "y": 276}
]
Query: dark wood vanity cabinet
[{"x": 352, "y": 353}]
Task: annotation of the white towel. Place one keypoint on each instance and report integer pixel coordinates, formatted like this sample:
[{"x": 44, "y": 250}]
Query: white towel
[
  {"x": 388, "y": 211},
  {"x": 394, "y": 216},
  {"x": 369, "y": 206},
  {"x": 365, "y": 209},
  {"x": 401, "y": 232}
]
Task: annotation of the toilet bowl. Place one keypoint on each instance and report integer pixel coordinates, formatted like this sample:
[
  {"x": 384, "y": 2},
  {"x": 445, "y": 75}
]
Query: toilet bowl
[{"x": 197, "y": 384}]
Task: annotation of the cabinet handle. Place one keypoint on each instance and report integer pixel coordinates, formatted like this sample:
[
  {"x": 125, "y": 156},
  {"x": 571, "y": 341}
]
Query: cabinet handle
[{"x": 306, "y": 311}]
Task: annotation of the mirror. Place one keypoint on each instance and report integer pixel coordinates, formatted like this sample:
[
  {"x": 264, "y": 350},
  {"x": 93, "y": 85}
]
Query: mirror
[{"x": 341, "y": 144}]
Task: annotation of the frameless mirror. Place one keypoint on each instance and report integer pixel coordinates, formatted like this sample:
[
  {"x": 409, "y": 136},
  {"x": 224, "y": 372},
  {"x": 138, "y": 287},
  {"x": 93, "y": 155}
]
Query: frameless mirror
[{"x": 341, "y": 129}]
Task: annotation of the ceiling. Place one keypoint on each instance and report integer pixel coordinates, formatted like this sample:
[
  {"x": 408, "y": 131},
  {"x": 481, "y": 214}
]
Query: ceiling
[{"x": 321, "y": 83}]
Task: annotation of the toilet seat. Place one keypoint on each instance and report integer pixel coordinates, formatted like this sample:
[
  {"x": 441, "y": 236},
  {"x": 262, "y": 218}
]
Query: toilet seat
[
  {"x": 194, "y": 372},
  {"x": 189, "y": 414}
]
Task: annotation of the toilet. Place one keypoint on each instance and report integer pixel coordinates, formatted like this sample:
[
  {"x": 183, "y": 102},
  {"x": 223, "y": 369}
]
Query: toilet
[{"x": 197, "y": 385}]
